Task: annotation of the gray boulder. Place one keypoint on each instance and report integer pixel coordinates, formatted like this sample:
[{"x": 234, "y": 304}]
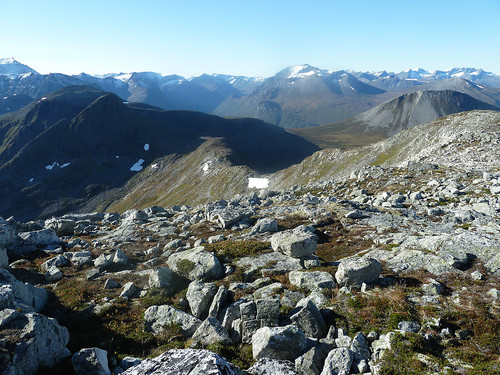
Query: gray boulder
[
  {"x": 199, "y": 296},
  {"x": 360, "y": 349},
  {"x": 211, "y": 332},
  {"x": 40, "y": 238},
  {"x": 91, "y": 361},
  {"x": 79, "y": 258},
  {"x": 311, "y": 362},
  {"x": 57, "y": 261},
  {"x": 264, "y": 225},
  {"x": 15, "y": 294},
  {"x": 309, "y": 320},
  {"x": 185, "y": 362},
  {"x": 268, "y": 366},
  {"x": 311, "y": 280},
  {"x": 41, "y": 341},
  {"x": 62, "y": 226},
  {"x": 129, "y": 290},
  {"x": 294, "y": 243},
  {"x": 196, "y": 264},
  {"x": 157, "y": 317},
  {"x": 218, "y": 302},
  {"x": 287, "y": 343},
  {"x": 355, "y": 272},
  {"x": 165, "y": 278},
  {"x": 338, "y": 362}
]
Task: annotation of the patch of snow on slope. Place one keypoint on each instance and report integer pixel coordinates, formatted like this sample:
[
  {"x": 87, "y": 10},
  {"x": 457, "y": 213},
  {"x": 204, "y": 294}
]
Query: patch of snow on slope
[
  {"x": 51, "y": 166},
  {"x": 206, "y": 167},
  {"x": 137, "y": 166},
  {"x": 31, "y": 180},
  {"x": 64, "y": 165},
  {"x": 258, "y": 183},
  {"x": 146, "y": 147}
]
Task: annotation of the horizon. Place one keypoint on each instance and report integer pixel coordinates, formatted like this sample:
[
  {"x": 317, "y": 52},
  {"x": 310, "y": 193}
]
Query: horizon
[
  {"x": 255, "y": 39},
  {"x": 223, "y": 73}
]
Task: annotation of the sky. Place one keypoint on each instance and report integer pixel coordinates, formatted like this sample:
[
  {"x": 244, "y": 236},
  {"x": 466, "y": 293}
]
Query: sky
[{"x": 253, "y": 38}]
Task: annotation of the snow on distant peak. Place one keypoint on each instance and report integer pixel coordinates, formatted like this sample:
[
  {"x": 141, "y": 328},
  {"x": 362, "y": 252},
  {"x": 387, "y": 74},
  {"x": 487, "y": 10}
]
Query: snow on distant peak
[
  {"x": 146, "y": 147},
  {"x": 11, "y": 67},
  {"x": 8, "y": 60}
]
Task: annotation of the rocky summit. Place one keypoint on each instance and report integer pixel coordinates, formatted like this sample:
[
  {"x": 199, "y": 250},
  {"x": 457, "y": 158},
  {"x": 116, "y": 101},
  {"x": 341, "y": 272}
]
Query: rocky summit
[{"x": 387, "y": 265}]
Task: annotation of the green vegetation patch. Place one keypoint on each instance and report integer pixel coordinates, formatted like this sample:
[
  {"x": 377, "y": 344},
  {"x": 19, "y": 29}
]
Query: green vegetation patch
[{"x": 230, "y": 251}]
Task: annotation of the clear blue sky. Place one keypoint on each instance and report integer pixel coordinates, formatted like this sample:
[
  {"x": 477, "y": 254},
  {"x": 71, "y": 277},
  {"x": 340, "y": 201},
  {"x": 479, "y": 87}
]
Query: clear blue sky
[{"x": 190, "y": 37}]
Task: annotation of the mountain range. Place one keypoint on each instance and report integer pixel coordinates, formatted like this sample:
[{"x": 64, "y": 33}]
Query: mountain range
[
  {"x": 296, "y": 97},
  {"x": 72, "y": 147}
]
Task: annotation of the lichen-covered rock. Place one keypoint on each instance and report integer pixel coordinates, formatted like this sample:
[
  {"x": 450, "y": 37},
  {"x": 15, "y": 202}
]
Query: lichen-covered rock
[
  {"x": 196, "y": 264},
  {"x": 157, "y": 317},
  {"x": 4, "y": 258},
  {"x": 278, "y": 343},
  {"x": 40, "y": 341},
  {"x": 15, "y": 294},
  {"x": 165, "y": 278},
  {"x": 185, "y": 362},
  {"x": 199, "y": 296},
  {"x": 42, "y": 237},
  {"x": 338, "y": 362},
  {"x": 62, "y": 226},
  {"x": 7, "y": 233},
  {"x": 268, "y": 366},
  {"x": 264, "y": 225},
  {"x": 91, "y": 361},
  {"x": 309, "y": 320},
  {"x": 295, "y": 243},
  {"x": 211, "y": 332},
  {"x": 311, "y": 279},
  {"x": 354, "y": 272}
]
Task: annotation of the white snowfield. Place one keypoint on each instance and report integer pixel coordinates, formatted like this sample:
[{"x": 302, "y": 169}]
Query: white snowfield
[{"x": 258, "y": 183}]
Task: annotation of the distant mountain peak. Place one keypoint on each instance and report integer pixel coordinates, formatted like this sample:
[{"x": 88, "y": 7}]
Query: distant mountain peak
[{"x": 10, "y": 66}]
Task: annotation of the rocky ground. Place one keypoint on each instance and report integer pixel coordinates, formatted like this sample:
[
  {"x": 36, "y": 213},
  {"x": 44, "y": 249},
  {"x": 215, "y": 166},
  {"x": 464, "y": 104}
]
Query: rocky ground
[{"x": 391, "y": 271}]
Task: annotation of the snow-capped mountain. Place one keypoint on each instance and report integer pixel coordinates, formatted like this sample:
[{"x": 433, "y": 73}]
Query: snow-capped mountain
[
  {"x": 9, "y": 66},
  {"x": 297, "y": 96}
]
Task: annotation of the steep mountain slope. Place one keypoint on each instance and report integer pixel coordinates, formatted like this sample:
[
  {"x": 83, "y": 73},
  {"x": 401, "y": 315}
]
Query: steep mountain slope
[
  {"x": 460, "y": 141},
  {"x": 392, "y": 117},
  {"x": 80, "y": 142},
  {"x": 301, "y": 96}
]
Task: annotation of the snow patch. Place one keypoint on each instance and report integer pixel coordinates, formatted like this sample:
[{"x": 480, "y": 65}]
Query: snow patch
[
  {"x": 146, "y": 147},
  {"x": 154, "y": 166},
  {"x": 117, "y": 157},
  {"x": 258, "y": 183},
  {"x": 31, "y": 180},
  {"x": 137, "y": 166},
  {"x": 64, "y": 165},
  {"x": 206, "y": 167},
  {"x": 51, "y": 166}
]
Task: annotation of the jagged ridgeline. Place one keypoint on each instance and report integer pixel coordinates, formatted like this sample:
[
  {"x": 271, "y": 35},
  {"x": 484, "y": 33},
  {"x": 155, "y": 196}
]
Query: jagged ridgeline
[{"x": 78, "y": 147}]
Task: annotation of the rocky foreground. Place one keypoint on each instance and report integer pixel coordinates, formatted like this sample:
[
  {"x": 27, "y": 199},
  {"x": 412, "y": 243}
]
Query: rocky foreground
[{"x": 391, "y": 271}]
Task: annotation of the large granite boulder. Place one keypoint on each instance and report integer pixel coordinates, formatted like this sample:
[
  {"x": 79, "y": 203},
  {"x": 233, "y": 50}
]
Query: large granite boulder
[
  {"x": 311, "y": 279},
  {"x": 157, "y": 317},
  {"x": 39, "y": 341},
  {"x": 268, "y": 366},
  {"x": 91, "y": 361},
  {"x": 295, "y": 243},
  {"x": 165, "y": 278},
  {"x": 356, "y": 271},
  {"x": 196, "y": 264},
  {"x": 199, "y": 296},
  {"x": 287, "y": 343},
  {"x": 185, "y": 362},
  {"x": 15, "y": 294}
]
